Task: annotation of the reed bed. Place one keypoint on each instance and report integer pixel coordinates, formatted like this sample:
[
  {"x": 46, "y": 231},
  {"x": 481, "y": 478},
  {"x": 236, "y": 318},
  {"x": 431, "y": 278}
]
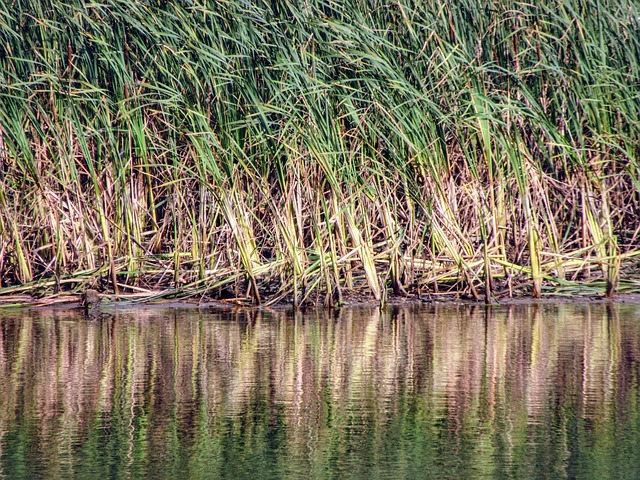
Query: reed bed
[{"x": 304, "y": 151}]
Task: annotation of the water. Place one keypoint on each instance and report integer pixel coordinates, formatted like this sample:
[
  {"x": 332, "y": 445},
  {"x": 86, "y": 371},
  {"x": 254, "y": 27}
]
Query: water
[{"x": 526, "y": 391}]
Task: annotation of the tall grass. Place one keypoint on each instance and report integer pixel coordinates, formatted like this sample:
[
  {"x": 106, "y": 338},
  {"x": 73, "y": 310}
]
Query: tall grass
[{"x": 301, "y": 149}]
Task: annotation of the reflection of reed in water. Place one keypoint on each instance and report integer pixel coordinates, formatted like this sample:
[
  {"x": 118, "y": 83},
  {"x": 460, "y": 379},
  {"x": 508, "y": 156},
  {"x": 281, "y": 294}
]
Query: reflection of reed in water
[{"x": 183, "y": 382}]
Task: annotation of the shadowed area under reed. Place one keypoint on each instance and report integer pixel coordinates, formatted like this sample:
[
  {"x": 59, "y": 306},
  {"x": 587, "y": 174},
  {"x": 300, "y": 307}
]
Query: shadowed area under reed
[{"x": 301, "y": 150}]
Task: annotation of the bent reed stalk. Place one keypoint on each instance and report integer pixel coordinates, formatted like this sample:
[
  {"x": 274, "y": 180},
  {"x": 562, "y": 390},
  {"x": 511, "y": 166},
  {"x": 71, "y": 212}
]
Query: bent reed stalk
[{"x": 303, "y": 150}]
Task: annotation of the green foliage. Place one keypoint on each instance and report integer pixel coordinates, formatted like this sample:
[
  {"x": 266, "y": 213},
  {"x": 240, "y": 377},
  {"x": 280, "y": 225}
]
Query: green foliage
[{"x": 405, "y": 141}]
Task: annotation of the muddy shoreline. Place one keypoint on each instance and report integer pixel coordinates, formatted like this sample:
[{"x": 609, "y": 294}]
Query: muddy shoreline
[{"x": 108, "y": 303}]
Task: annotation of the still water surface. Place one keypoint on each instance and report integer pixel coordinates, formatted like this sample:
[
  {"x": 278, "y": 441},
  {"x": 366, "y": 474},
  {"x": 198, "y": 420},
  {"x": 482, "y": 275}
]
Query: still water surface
[{"x": 455, "y": 392}]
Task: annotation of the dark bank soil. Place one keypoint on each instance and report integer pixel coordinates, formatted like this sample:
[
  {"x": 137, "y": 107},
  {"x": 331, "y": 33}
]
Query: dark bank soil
[{"x": 108, "y": 302}]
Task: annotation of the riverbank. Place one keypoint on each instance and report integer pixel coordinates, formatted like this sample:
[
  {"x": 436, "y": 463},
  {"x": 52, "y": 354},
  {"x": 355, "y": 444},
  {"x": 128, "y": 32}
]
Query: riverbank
[
  {"x": 109, "y": 303},
  {"x": 303, "y": 152}
]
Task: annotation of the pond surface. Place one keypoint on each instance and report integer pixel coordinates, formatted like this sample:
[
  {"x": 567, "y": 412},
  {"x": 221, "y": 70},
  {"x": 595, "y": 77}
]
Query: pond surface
[{"x": 526, "y": 391}]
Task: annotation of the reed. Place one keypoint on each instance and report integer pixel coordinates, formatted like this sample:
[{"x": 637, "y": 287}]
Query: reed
[{"x": 278, "y": 150}]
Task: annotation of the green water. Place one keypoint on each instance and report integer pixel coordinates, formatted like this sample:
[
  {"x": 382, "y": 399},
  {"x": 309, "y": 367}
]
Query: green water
[{"x": 455, "y": 392}]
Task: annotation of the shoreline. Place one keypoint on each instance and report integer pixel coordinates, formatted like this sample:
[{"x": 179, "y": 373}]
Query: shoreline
[{"x": 107, "y": 304}]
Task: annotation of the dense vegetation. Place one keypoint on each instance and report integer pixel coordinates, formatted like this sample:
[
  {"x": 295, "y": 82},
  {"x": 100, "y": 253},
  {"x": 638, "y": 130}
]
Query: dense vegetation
[{"x": 301, "y": 149}]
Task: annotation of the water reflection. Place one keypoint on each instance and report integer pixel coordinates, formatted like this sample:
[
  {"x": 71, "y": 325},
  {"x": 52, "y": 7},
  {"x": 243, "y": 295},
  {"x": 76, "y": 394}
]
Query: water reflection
[{"x": 525, "y": 391}]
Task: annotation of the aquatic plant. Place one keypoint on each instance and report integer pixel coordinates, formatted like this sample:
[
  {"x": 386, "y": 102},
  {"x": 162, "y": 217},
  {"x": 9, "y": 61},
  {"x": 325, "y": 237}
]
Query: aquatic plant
[{"x": 298, "y": 150}]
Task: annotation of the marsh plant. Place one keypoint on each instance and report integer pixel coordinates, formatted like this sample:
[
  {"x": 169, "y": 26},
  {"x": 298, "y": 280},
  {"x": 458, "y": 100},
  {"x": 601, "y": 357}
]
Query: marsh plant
[{"x": 301, "y": 150}]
